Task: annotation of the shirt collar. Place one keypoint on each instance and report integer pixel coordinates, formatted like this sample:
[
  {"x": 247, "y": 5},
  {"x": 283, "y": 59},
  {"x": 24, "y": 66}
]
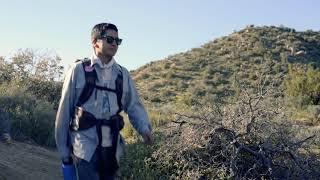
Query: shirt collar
[{"x": 96, "y": 60}]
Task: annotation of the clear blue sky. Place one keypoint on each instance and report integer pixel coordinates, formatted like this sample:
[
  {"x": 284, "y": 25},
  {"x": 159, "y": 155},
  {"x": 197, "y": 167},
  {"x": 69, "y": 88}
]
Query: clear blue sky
[{"x": 152, "y": 30}]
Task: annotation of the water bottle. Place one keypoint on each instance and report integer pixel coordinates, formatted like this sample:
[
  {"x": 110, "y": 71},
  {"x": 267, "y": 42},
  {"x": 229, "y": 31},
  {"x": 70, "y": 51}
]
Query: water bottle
[{"x": 69, "y": 171}]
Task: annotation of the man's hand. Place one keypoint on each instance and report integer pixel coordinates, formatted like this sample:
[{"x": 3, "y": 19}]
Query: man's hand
[
  {"x": 147, "y": 138},
  {"x": 67, "y": 160}
]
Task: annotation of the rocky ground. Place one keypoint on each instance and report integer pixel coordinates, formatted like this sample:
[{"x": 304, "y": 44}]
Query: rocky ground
[{"x": 22, "y": 161}]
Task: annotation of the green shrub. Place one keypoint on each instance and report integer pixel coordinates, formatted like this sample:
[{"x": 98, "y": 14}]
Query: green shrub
[
  {"x": 31, "y": 118},
  {"x": 136, "y": 162},
  {"x": 304, "y": 83}
]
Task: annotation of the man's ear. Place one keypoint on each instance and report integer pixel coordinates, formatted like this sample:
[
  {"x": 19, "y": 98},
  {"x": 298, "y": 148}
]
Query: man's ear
[{"x": 94, "y": 43}]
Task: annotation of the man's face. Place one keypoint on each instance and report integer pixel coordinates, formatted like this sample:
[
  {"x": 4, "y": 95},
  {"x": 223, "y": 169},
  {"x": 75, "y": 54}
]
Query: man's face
[{"x": 105, "y": 47}]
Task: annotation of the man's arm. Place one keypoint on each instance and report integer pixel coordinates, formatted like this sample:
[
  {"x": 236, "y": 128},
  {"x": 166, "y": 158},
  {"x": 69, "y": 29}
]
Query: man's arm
[
  {"x": 64, "y": 114},
  {"x": 136, "y": 111}
]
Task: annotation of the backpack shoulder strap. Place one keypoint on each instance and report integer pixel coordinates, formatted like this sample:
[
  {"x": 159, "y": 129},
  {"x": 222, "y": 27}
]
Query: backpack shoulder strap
[
  {"x": 90, "y": 76},
  {"x": 119, "y": 88}
]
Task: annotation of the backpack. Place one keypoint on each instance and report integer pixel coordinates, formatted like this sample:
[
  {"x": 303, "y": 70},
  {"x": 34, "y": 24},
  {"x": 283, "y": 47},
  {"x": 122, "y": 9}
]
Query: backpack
[
  {"x": 90, "y": 85},
  {"x": 107, "y": 156}
]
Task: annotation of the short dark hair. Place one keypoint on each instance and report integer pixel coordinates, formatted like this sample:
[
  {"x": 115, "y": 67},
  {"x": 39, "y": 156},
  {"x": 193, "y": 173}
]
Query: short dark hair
[{"x": 100, "y": 30}]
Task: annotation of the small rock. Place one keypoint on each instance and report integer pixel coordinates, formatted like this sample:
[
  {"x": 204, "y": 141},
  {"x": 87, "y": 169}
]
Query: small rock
[{"x": 6, "y": 138}]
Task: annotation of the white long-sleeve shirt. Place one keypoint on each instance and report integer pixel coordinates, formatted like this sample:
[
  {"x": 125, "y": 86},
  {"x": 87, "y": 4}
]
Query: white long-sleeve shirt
[{"x": 102, "y": 104}]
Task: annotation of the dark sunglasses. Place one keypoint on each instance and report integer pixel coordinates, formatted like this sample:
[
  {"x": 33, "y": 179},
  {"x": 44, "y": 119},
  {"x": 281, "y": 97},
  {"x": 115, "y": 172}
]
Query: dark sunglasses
[{"x": 110, "y": 40}]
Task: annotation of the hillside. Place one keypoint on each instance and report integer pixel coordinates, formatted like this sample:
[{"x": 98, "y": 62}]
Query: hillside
[
  {"x": 21, "y": 161},
  {"x": 211, "y": 70},
  {"x": 253, "y": 137}
]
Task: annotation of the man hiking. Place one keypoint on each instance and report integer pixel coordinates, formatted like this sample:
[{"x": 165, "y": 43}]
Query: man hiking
[{"x": 88, "y": 122}]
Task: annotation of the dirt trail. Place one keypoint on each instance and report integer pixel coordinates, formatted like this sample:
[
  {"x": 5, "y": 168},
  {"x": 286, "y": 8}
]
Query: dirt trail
[{"x": 21, "y": 161}]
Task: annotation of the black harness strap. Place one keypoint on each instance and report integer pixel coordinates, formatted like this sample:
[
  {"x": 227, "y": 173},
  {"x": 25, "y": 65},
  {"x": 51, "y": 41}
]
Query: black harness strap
[
  {"x": 90, "y": 85},
  {"x": 119, "y": 88},
  {"x": 105, "y": 89},
  {"x": 108, "y": 163},
  {"x": 88, "y": 89}
]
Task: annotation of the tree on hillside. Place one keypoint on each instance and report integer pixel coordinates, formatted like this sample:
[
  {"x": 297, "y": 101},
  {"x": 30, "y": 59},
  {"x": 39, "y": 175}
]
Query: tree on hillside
[
  {"x": 30, "y": 91},
  {"x": 40, "y": 73},
  {"x": 22, "y": 63},
  {"x": 49, "y": 68},
  {"x": 6, "y": 70},
  {"x": 35, "y": 64}
]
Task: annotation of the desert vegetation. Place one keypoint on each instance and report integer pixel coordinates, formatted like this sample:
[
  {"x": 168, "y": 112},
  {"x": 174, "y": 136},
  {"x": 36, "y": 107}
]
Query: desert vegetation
[{"x": 243, "y": 106}]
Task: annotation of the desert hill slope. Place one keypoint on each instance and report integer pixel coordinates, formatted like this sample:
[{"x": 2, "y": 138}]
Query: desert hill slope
[{"x": 210, "y": 70}]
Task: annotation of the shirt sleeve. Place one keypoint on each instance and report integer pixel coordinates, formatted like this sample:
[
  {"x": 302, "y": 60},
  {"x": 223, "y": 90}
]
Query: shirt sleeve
[
  {"x": 63, "y": 116},
  {"x": 135, "y": 109}
]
